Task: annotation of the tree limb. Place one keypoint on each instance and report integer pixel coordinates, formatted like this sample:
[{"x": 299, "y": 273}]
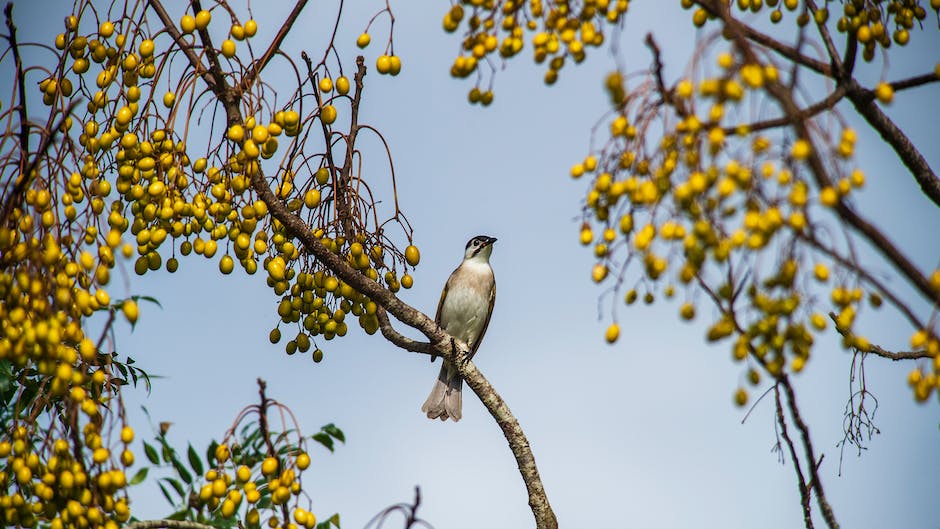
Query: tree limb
[
  {"x": 879, "y": 351},
  {"x": 440, "y": 341},
  {"x": 800, "y": 479},
  {"x": 168, "y": 524}
]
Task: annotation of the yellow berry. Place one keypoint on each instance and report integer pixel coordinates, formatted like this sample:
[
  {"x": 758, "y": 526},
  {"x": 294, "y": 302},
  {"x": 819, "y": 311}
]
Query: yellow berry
[
  {"x": 228, "y": 48},
  {"x": 269, "y": 466},
  {"x": 328, "y": 114},
  {"x": 188, "y": 24},
  {"x": 884, "y": 92},
  {"x": 412, "y": 255},
  {"x": 202, "y": 19},
  {"x": 801, "y": 149},
  {"x": 127, "y": 434},
  {"x": 130, "y": 310},
  {"x": 342, "y": 85},
  {"x": 612, "y": 333},
  {"x": 363, "y": 40},
  {"x": 383, "y": 64}
]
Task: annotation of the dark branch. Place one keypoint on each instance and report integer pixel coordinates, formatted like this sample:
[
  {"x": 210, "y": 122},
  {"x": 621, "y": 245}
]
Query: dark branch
[
  {"x": 884, "y": 353},
  {"x": 801, "y": 480}
]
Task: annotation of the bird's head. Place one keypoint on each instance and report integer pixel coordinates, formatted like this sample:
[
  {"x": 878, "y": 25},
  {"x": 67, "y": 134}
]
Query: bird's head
[{"x": 479, "y": 247}]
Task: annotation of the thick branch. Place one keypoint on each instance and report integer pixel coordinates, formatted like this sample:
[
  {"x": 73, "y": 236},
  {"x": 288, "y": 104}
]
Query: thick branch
[
  {"x": 168, "y": 524},
  {"x": 865, "y": 105},
  {"x": 440, "y": 345},
  {"x": 714, "y": 7},
  {"x": 440, "y": 341},
  {"x": 878, "y": 240},
  {"x": 398, "y": 339}
]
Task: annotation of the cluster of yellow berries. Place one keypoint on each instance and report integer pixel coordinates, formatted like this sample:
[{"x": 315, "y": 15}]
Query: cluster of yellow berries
[
  {"x": 869, "y": 22},
  {"x": 385, "y": 64},
  {"x": 708, "y": 202},
  {"x": 43, "y": 480},
  {"x": 128, "y": 187},
  {"x": 266, "y": 488},
  {"x": 320, "y": 302},
  {"x": 559, "y": 30}
]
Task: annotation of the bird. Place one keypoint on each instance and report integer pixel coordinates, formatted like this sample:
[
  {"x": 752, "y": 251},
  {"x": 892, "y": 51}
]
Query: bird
[{"x": 464, "y": 312}]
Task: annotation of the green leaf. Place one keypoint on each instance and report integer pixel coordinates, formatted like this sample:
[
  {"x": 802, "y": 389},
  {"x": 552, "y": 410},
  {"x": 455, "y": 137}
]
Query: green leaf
[
  {"x": 334, "y": 432},
  {"x": 166, "y": 494},
  {"x": 210, "y": 453},
  {"x": 181, "y": 470},
  {"x": 194, "y": 460},
  {"x": 335, "y": 519},
  {"x": 177, "y": 486},
  {"x": 147, "y": 298},
  {"x": 139, "y": 476},
  {"x": 324, "y": 439},
  {"x": 179, "y": 515},
  {"x": 151, "y": 453}
]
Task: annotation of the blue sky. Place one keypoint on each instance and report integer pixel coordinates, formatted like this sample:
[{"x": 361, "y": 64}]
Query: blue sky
[{"x": 641, "y": 433}]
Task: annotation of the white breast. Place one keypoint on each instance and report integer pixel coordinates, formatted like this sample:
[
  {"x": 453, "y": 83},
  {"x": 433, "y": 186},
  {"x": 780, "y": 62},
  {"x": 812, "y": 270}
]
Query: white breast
[{"x": 464, "y": 312}]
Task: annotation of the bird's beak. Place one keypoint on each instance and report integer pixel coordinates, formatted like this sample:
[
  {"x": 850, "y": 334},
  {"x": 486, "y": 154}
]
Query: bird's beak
[{"x": 490, "y": 240}]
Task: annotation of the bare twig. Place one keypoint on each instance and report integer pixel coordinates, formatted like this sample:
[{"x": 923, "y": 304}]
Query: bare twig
[
  {"x": 801, "y": 480},
  {"x": 884, "y": 353}
]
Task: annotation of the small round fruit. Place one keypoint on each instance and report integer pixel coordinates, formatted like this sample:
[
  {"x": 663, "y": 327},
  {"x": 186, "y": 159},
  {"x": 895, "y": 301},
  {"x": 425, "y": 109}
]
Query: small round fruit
[
  {"x": 228, "y": 48},
  {"x": 342, "y": 85},
  {"x": 130, "y": 310},
  {"x": 269, "y": 466},
  {"x": 188, "y": 24},
  {"x": 328, "y": 114},
  {"x": 202, "y": 19},
  {"x": 303, "y": 461},
  {"x": 412, "y": 255},
  {"x": 226, "y": 264},
  {"x": 395, "y": 69},
  {"x": 383, "y": 64},
  {"x": 363, "y": 40},
  {"x": 613, "y": 332}
]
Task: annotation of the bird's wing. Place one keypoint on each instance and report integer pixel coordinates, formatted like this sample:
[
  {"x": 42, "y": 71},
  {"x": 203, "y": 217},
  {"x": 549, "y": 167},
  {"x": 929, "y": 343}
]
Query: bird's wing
[
  {"x": 489, "y": 312},
  {"x": 440, "y": 306}
]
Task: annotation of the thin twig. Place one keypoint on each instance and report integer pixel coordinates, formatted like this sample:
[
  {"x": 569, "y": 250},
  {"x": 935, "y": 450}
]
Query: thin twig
[{"x": 800, "y": 478}]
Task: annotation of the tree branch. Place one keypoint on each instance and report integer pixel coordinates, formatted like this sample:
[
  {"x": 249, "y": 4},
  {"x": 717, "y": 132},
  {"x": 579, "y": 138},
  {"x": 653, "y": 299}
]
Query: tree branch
[
  {"x": 864, "y": 104},
  {"x": 275, "y": 45},
  {"x": 168, "y": 524},
  {"x": 800, "y": 479},
  {"x": 815, "y": 482},
  {"x": 884, "y": 353},
  {"x": 440, "y": 341}
]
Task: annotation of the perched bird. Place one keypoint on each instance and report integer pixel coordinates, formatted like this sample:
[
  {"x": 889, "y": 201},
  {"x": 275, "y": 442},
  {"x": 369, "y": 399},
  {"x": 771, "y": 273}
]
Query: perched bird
[{"x": 464, "y": 312}]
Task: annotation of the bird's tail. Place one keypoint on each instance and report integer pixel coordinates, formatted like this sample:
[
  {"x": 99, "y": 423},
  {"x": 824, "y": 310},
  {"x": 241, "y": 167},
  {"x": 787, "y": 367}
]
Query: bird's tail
[{"x": 445, "y": 401}]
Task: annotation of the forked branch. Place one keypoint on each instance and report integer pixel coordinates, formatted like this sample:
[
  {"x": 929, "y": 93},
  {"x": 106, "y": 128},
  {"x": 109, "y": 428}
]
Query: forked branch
[{"x": 439, "y": 342}]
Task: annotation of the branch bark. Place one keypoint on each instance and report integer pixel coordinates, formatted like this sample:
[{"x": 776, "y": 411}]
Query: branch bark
[{"x": 167, "y": 524}]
